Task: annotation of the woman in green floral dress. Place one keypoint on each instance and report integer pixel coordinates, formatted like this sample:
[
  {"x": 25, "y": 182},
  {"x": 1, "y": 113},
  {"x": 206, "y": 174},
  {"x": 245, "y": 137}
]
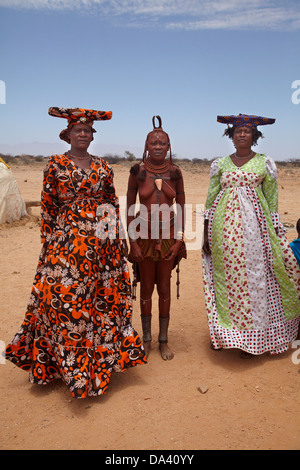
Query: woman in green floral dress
[{"x": 251, "y": 279}]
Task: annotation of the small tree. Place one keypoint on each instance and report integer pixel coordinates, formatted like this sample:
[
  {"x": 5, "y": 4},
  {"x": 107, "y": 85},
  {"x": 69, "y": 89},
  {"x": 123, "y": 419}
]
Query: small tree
[{"x": 129, "y": 156}]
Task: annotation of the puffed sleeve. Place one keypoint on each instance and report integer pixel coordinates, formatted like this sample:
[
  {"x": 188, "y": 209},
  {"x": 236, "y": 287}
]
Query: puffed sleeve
[
  {"x": 270, "y": 190},
  {"x": 49, "y": 201},
  {"x": 214, "y": 187},
  {"x": 270, "y": 185}
]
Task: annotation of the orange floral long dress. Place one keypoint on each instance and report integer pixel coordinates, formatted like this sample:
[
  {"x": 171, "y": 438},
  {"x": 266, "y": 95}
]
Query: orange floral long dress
[{"x": 78, "y": 322}]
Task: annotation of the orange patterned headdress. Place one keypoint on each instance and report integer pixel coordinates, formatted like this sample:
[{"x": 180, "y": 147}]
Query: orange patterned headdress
[{"x": 78, "y": 116}]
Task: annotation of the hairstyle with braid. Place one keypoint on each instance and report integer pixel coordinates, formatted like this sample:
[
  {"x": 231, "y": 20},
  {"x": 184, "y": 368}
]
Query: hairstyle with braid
[
  {"x": 155, "y": 129},
  {"x": 175, "y": 173}
]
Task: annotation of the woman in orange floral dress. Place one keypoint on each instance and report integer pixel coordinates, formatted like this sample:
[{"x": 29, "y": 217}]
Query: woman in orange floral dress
[{"x": 78, "y": 322}]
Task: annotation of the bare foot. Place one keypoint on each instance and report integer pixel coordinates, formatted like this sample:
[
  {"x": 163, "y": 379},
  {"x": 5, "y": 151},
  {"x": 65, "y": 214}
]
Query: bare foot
[
  {"x": 147, "y": 347},
  {"x": 165, "y": 352}
]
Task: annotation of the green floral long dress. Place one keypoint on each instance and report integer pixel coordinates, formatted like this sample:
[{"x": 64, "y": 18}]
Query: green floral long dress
[{"x": 251, "y": 280}]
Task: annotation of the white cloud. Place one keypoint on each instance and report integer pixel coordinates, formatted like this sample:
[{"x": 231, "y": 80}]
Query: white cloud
[
  {"x": 264, "y": 18},
  {"x": 183, "y": 14}
]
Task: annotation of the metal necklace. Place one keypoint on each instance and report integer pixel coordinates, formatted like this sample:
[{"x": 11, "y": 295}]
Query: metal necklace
[
  {"x": 78, "y": 158},
  {"x": 235, "y": 155}
]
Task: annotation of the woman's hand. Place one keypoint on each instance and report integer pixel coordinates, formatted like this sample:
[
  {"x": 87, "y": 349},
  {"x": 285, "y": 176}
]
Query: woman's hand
[
  {"x": 136, "y": 252},
  {"x": 173, "y": 251},
  {"x": 206, "y": 248}
]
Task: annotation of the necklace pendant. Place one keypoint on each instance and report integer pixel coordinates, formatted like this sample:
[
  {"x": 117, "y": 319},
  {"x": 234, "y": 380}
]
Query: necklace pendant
[{"x": 158, "y": 183}]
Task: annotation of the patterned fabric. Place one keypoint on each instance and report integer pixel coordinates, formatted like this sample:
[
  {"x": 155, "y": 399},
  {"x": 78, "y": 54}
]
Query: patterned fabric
[
  {"x": 243, "y": 120},
  {"x": 80, "y": 115},
  {"x": 252, "y": 280},
  {"x": 78, "y": 323}
]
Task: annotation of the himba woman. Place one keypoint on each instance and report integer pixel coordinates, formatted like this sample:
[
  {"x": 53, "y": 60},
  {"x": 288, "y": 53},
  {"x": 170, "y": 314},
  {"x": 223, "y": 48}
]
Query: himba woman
[
  {"x": 251, "y": 279},
  {"x": 78, "y": 322},
  {"x": 156, "y": 232}
]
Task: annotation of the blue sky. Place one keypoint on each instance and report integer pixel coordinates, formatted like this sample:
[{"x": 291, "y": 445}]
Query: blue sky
[{"x": 186, "y": 60}]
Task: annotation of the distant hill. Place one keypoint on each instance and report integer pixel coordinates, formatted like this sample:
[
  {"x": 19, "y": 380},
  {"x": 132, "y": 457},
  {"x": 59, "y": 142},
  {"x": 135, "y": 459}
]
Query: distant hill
[{"x": 50, "y": 148}]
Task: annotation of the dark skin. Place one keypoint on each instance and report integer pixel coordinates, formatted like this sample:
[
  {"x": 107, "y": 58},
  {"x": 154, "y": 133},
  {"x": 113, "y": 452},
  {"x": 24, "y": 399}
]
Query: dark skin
[
  {"x": 158, "y": 146},
  {"x": 80, "y": 136}
]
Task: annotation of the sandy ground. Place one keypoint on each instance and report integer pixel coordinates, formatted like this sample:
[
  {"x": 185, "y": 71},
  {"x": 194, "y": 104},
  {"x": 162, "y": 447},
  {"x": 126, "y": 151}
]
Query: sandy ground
[{"x": 248, "y": 404}]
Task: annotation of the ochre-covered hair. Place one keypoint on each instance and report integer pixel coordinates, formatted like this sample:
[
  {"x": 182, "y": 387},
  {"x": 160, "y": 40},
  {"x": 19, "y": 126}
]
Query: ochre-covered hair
[
  {"x": 155, "y": 129},
  {"x": 175, "y": 173}
]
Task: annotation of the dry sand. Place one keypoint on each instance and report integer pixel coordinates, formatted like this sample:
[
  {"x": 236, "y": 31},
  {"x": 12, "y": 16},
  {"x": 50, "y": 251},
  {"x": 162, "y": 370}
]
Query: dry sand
[{"x": 248, "y": 404}]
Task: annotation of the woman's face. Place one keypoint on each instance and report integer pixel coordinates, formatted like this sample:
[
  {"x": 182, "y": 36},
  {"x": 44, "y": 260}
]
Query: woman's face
[
  {"x": 80, "y": 136},
  {"x": 158, "y": 146},
  {"x": 243, "y": 137}
]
